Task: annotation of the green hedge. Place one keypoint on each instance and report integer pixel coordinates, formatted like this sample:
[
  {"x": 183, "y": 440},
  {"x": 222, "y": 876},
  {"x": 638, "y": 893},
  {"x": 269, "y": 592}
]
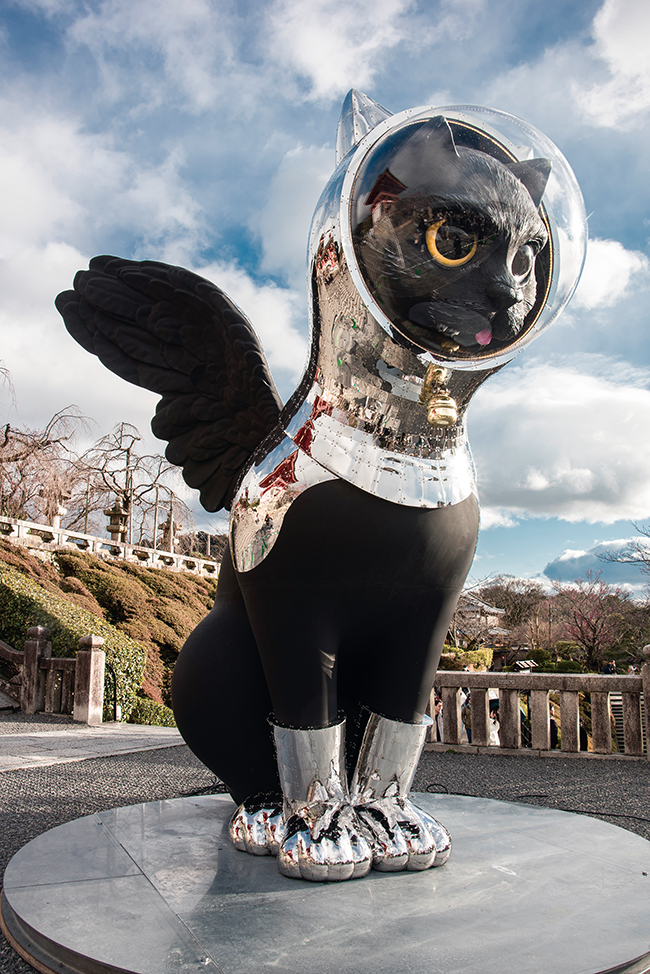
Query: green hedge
[
  {"x": 457, "y": 659},
  {"x": 149, "y": 712},
  {"x": 24, "y": 603}
]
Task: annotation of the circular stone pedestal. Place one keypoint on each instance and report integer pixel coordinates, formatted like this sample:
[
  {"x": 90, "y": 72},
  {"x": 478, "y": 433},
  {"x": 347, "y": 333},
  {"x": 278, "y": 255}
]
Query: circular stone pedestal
[{"x": 158, "y": 888}]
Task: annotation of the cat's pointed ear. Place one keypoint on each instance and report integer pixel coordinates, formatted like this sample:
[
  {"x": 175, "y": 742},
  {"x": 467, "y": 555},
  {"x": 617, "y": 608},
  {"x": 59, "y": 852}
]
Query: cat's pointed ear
[
  {"x": 534, "y": 175},
  {"x": 359, "y": 115}
]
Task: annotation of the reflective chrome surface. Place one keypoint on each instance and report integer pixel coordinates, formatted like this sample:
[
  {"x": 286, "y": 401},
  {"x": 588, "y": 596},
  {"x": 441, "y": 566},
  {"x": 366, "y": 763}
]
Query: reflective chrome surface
[
  {"x": 359, "y": 115},
  {"x": 324, "y": 841},
  {"x": 378, "y": 406},
  {"x": 373, "y": 431},
  {"x": 256, "y": 829},
  {"x": 264, "y": 497},
  {"x": 404, "y": 837}
]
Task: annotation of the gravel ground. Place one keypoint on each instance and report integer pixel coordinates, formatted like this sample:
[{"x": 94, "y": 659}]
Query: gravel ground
[{"x": 36, "y": 799}]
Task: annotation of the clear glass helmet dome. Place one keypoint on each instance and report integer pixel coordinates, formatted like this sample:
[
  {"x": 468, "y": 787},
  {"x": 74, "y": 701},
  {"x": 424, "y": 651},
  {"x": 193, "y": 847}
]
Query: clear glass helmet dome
[{"x": 464, "y": 229}]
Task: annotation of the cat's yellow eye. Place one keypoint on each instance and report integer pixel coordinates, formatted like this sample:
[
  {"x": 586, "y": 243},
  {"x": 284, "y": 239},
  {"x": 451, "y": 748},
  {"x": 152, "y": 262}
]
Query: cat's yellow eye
[{"x": 450, "y": 246}]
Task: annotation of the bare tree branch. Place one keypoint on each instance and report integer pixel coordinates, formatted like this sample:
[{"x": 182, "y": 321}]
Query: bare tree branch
[{"x": 635, "y": 552}]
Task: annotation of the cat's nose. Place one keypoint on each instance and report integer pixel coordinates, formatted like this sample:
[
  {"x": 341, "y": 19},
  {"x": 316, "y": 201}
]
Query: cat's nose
[{"x": 502, "y": 295}]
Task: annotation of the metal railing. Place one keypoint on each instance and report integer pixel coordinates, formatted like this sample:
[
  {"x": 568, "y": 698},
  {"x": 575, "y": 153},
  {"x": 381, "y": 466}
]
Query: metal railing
[{"x": 537, "y": 687}]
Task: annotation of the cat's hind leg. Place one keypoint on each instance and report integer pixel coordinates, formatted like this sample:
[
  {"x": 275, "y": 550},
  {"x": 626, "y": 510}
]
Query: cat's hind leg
[{"x": 221, "y": 700}]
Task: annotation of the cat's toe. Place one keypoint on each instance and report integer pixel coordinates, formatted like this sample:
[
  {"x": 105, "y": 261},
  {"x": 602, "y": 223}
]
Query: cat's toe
[
  {"x": 330, "y": 848},
  {"x": 257, "y": 830},
  {"x": 404, "y": 837}
]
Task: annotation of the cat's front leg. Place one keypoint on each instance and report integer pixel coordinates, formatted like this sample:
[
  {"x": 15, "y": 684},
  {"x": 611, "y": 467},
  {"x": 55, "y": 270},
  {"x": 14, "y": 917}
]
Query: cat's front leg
[
  {"x": 404, "y": 836},
  {"x": 324, "y": 840}
]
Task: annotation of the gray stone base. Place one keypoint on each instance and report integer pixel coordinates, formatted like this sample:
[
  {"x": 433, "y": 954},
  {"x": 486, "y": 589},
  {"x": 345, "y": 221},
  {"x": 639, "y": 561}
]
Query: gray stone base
[{"x": 157, "y": 888}]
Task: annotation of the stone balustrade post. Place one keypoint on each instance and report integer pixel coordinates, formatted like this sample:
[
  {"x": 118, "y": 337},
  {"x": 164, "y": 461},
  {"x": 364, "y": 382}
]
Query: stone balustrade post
[
  {"x": 32, "y": 691},
  {"x": 632, "y": 724},
  {"x": 601, "y": 722},
  {"x": 570, "y": 717},
  {"x": 451, "y": 722},
  {"x": 645, "y": 673},
  {"x": 540, "y": 720},
  {"x": 509, "y": 718},
  {"x": 480, "y": 715},
  {"x": 89, "y": 681}
]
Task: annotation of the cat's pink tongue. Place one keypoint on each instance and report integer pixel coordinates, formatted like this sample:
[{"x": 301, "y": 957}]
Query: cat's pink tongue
[{"x": 483, "y": 337}]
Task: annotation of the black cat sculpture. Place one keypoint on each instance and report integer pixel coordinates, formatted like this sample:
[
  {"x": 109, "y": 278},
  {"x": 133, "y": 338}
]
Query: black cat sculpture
[{"x": 354, "y": 515}]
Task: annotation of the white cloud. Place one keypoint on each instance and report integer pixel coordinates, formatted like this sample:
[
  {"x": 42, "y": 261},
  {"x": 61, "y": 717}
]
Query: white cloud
[
  {"x": 192, "y": 38},
  {"x": 608, "y": 271},
  {"x": 574, "y": 564},
  {"x": 337, "y": 45},
  {"x": 570, "y": 553},
  {"x": 572, "y": 86},
  {"x": 550, "y": 441},
  {"x": 621, "y": 32},
  {"x": 62, "y": 183},
  {"x": 49, "y": 370},
  {"x": 493, "y": 517},
  {"x": 283, "y": 224},
  {"x": 65, "y": 193}
]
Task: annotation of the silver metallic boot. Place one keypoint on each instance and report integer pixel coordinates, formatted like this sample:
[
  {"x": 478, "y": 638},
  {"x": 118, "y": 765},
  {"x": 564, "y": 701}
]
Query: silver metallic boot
[
  {"x": 404, "y": 837},
  {"x": 324, "y": 839},
  {"x": 257, "y": 827}
]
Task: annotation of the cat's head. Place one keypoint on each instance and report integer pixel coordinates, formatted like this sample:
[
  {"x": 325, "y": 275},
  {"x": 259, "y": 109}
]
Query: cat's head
[{"x": 449, "y": 238}]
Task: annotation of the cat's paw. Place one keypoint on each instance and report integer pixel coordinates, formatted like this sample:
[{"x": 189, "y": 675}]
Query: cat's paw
[
  {"x": 325, "y": 844},
  {"x": 404, "y": 836},
  {"x": 258, "y": 828}
]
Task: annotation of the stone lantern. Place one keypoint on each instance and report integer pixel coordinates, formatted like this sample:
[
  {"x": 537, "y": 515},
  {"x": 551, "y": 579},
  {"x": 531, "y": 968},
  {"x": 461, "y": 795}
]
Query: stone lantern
[{"x": 118, "y": 520}]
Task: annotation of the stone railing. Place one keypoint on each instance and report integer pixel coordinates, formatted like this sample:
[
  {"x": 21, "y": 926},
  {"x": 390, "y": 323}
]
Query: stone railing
[
  {"x": 54, "y": 685},
  {"x": 536, "y": 687},
  {"x": 43, "y": 538}
]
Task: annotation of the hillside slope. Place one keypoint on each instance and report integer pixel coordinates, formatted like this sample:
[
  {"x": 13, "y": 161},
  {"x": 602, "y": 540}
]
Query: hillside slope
[{"x": 155, "y": 607}]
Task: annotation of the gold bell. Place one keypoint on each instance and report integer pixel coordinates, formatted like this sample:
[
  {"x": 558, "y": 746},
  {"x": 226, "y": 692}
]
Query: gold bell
[{"x": 442, "y": 410}]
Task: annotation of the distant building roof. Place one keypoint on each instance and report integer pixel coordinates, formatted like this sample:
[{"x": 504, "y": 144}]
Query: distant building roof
[
  {"x": 386, "y": 187},
  {"x": 471, "y": 600}
]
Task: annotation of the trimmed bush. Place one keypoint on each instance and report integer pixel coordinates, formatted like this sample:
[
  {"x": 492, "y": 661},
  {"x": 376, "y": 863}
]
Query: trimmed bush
[
  {"x": 156, "y": 607},
  {"x": 568, "y": 666},
  {"x": 457, "y": 659},
  {"x": 149, "y": 712}
]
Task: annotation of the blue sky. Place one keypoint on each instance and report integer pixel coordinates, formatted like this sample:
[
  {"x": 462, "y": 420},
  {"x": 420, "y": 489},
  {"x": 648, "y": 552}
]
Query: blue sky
[{"x": 202, "y": 133}]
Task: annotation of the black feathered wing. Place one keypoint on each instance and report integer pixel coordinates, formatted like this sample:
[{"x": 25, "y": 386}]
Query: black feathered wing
[{"x": 173, "y": 332}]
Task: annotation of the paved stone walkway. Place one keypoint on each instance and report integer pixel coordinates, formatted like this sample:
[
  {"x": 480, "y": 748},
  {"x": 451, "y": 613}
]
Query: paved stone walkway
[{"x": 40, "y": 740}]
